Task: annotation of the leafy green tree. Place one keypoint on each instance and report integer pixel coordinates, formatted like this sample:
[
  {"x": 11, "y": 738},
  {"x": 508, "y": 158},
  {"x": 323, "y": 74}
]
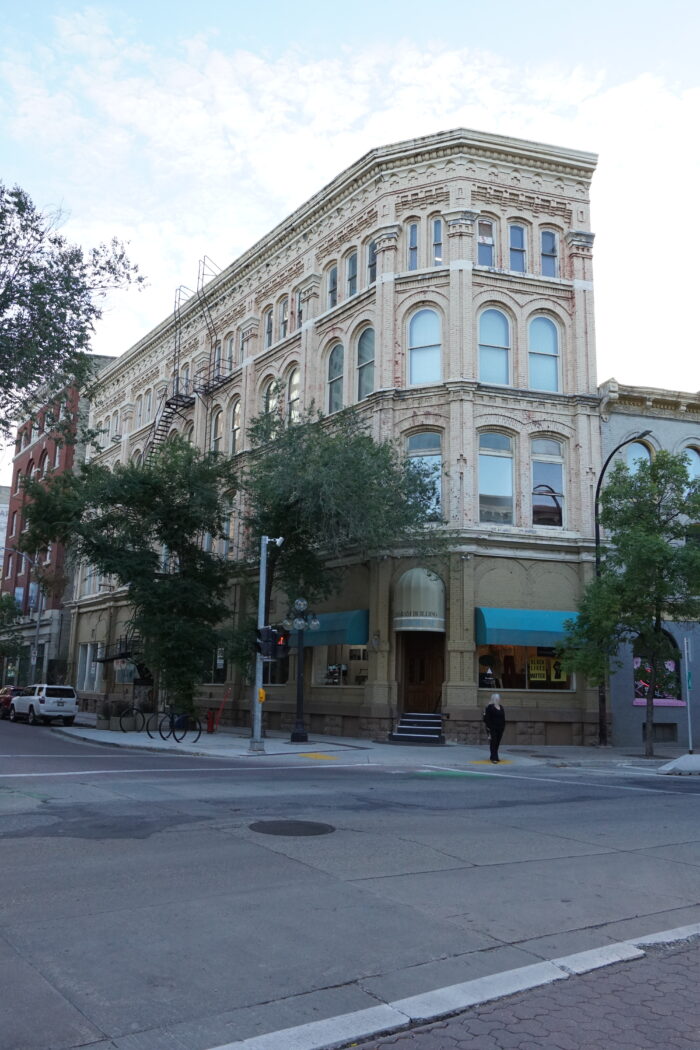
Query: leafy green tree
[
  {"x": 10, "y": 641},
  {"x": 50, "y": 298},
  {"x": 650, "y": 573},
  {"x": 144, "y": 526},
  {"x": 333, "y": 492}
]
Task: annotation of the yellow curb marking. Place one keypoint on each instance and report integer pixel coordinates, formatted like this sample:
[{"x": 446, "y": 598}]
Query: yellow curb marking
[{"x": 317, "y": 754}]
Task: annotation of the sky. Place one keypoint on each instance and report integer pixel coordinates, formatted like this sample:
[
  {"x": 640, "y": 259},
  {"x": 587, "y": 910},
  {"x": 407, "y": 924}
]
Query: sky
[{"x": 191, "y": 130}]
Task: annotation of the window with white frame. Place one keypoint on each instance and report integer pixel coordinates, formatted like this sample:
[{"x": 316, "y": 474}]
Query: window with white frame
[
  {"x": 547, "y": 482},
  {"x": 365, "y": 363},
  {"x": 57, "y": 454},
  {"x": 549, "y": 254},
  {"x": 437, "y": 242},
  {"x": 283, "y": 318},
  {"x": 351, "y": 274},
  {"x": 543, "y": 354},
  {"x": 412, "y": 247},
  {"x": 424, "y": 348},
  {"x": 335, "y": 378},
  {"x": 425, "y": 453},
  {"x": 332, "y": 287},
  {"x": 371, "y": 262},
  {"x": 216, "y": 427},
  {"x": 494, "y": 347},
  {"x": 235, "y": 431},
  {"x": 10, "y": 565},
  {"x": 517, "y": 247},
  {"x": 486, "y": 247},
  {"x": 267, "y": 328},
  {"x": 294, "y": 396},
  {"x": 495, "y": 478},
  {"x": 270, "y": 396}
]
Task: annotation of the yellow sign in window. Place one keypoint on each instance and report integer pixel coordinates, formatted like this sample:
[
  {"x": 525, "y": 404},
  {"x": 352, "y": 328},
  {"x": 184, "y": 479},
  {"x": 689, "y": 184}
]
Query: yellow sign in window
[{"x": 537, "y": 669}]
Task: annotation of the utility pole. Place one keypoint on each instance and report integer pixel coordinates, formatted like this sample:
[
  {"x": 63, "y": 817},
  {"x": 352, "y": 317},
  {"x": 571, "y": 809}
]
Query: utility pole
[{"x": 256, "y": 741}]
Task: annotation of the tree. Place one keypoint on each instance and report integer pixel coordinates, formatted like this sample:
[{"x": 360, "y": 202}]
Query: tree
[
  {"x": 50, "y": 296},
  {"x": 10, "y": 641},
  {"x": 144, "y": 526},
  {"x": 333, "y": 493},
  {"x": 650, "y": 573}
]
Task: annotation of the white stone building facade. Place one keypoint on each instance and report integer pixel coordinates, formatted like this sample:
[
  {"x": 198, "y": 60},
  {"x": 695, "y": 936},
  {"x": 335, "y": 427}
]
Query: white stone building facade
[{"x": 444, "y": 286}]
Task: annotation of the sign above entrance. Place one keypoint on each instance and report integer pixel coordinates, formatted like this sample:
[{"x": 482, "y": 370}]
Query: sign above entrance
[{"x": 419, "y": 602}]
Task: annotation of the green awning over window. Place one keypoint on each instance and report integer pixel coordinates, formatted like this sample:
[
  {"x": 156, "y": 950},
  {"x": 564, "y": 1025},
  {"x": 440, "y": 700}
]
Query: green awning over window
[
  {"x": 340, "y": 628},
  {"x": 544, "y": 627}
]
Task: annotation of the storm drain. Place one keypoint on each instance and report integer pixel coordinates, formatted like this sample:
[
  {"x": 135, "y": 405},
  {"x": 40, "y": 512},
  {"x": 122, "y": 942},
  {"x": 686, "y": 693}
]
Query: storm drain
[{"x": 291, "y": 827}]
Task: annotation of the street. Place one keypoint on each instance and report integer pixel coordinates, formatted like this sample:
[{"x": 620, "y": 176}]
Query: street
[{"x": 141, "y": 910}]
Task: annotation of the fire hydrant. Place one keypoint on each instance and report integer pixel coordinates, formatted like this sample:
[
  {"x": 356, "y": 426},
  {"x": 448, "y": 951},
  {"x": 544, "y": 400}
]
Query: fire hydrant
[{"x": 210, "y": 721}]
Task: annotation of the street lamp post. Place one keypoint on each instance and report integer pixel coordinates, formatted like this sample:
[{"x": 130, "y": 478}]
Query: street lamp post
[
  {"x": 33, "y": 649},
  {"x": 602, "y": 695},
  {"x": 299, "y": 619}
]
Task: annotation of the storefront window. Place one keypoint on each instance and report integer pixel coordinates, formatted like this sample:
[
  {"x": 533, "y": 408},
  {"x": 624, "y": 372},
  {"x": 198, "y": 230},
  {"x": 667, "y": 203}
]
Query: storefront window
[
  {"x": 668, "y": 691},
  {"x": 521, "y": 667},
  {"x": 340, "y": 665}
]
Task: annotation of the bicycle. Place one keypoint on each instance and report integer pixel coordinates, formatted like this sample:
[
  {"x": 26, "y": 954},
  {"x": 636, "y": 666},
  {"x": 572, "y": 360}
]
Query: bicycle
[
  {"x": 127, "y": 714},
  {"x": 178, "y": 726}
]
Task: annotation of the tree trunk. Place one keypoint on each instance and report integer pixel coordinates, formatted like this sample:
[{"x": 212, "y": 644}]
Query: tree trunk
[{"x": 651, "y": 689}]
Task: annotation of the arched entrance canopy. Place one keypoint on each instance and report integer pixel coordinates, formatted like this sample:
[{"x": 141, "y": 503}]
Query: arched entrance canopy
[{"x": 419, "y": 602}]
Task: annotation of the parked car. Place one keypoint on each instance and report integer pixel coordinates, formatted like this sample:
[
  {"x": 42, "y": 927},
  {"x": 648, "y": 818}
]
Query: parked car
[
  {"x": 43, "y": 703},
  {"x": 7, "y": 693}
]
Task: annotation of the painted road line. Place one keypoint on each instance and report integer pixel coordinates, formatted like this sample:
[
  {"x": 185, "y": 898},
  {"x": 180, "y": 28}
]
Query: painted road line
[
  {"x": 399, "y": 1015},
  {"x": 317, "y": 754},
  {"x": 174, "y": 769},
  {"x": 570, "y": 783}
]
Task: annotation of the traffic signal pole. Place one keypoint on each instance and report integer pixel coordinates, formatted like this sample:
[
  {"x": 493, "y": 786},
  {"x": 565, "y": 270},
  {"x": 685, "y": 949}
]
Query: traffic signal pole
[{"x": 256, "y": 739}]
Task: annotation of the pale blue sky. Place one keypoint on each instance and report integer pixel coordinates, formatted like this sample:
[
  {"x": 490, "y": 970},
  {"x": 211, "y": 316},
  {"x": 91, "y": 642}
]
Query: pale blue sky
[{"x": 191, "y": 129}]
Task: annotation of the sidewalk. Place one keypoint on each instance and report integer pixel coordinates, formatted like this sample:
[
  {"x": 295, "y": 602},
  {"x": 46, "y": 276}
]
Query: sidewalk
[{"x": 227, "y": 743}]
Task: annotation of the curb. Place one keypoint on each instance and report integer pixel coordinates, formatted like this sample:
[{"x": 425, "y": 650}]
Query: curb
[{"x": 388, "y": 1018}]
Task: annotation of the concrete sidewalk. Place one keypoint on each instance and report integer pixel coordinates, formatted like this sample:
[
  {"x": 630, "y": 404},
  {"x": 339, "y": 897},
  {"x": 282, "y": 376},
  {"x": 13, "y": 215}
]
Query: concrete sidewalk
[{"x": 228, "y": 743}]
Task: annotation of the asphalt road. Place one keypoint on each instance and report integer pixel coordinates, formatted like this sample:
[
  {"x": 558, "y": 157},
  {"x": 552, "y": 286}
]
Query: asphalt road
[{"x": 140, "y": 910}]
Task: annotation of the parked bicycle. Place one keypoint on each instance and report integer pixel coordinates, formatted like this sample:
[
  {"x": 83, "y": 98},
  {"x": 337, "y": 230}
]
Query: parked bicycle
[
  {"x": 178, "y": 726},
  {"x": 132, "y": 718}
]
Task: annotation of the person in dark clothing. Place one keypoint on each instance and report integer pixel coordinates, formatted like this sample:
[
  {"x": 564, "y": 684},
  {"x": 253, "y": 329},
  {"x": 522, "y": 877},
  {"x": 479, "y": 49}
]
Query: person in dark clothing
[{"x": 495, "y": 722}]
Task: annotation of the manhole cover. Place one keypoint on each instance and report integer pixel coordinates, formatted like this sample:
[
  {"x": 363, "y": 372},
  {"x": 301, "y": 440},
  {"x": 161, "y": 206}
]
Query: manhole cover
[{"x": 291, "y": 827}]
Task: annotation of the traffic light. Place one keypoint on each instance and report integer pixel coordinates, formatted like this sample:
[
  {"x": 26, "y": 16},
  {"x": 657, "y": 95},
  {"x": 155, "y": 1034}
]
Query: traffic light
[
  {"x": 281, "y": 645},
  {"x": 265, "y": 642}
]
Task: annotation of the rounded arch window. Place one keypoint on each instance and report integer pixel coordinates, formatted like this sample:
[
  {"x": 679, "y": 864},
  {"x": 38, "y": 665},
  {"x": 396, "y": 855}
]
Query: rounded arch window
[
  {"x": 137, "y": 458},
  {"x": 235, "y": 427},
  {"x": 365, "y": 363},
  {"x": 425, "y": 453},
  {"x": 216, "y": 426},
  {"x": 188, "y": 433},
  {"x": 495, "y": 478},
  {"x": 424, "y": 348},
  {"x": 269, "y": 399},
  {"x": 635, "y": 453},
  {"x": 544, "y": 354},
  {"x": 494, "y": 347},
  {"x": 293, "y": 396},
  {"x": 335, "y": 378},
  {"x": 547, "y": 482},
  {"x": 693, "y": 461}
]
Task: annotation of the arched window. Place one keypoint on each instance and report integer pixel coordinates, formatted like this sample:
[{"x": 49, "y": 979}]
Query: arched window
[
  {"x": 147, "y": 405},
  {"x": 335, "y": 378},
  {"x": 235, "y": 432},
  {"x": 230, "y": 353},
  {"x": 365, "y": 364},
  {"x": 496, "y": 478},
  {"x": 267, "y": 328},
  {"x": 58, "y": 445},
  {"x": 293, "y": 390},
  {"x": 547, "y": 482},
  {"x": 139, "y": 410},
  {"x": 217, "y": 358},
  {"x": 437, "y": 242},
  {"x": 494, "y": 348},
  {"x": 188, "y": 433},
  {"x": 43, "y": 464},
  {"x": 332, "y": 287},
  {"x": 185, "y": 379},
  {"x": 115, "y": 423},
  {"x": 283, "y": 317},
  {"x": 486, "y": 246},
  {"x": 412, "y": 246},
  {"x": 424, "y": 348},
  {"x": 351, "y": 274},
  {"x": 425, "y": 452},
  {"x": 635, "y": 453},
  {"x": 298, "y": 309},
  {"x": 270, "y": 396},
  {"x": 549, "y": 254},
  {"x": 216, "y": 425},
  {"x": 517, "y": 248},
  {"x": 693, "y": 460},
  {"x": 371, "y": 262},
  {"x": 137, "y": 458},
  {"x": 544, "y": 354}
]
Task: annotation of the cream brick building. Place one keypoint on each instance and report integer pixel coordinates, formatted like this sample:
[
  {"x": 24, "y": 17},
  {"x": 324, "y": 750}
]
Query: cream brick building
[{"x": 444, "y": 285}]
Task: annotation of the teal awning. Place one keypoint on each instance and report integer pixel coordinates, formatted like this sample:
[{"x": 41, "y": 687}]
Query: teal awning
[
  {"x": 340, "y": 628},
  {"x": 544, "y": 627}
]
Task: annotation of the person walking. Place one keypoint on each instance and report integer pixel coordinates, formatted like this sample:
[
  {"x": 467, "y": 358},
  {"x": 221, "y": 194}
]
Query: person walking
[{"x": 495, "y": 722}]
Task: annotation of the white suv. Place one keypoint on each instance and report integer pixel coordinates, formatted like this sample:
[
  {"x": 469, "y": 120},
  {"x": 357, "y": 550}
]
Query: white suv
[{"x": 42, "y": 703}]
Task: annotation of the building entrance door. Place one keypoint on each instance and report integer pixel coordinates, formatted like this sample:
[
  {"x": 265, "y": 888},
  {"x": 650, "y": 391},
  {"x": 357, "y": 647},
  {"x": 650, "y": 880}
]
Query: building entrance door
[{"x": 423, "y": 670}]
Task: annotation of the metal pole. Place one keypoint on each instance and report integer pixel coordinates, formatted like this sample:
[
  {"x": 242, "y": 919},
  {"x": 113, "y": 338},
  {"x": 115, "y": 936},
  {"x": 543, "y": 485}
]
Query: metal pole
[
  {"x": 256, "y": 740},
  {"x": 35, "y": 649},
  {"x": 299, "y": 734},
  {"x": 688, "y": 683},
  {"x": 602, "y": 695}
]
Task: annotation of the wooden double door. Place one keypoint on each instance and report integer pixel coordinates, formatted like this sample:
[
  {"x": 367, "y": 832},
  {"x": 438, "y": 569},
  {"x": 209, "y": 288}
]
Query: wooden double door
[{"x": 422, "y": 664}]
